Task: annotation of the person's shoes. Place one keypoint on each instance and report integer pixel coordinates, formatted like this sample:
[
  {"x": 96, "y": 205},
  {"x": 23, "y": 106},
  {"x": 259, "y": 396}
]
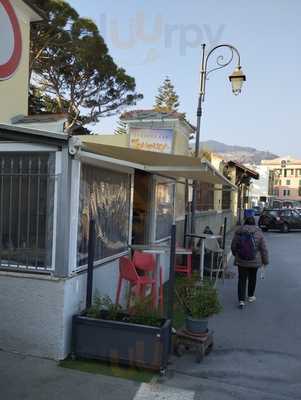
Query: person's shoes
[
  {"x": 241, "y": 304},
  {"x": 251, "y": 299}
]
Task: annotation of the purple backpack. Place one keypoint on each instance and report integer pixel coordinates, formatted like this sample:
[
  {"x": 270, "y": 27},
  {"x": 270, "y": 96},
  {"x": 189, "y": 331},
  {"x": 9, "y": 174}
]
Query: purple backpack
[{"x": 246, "y": 246}]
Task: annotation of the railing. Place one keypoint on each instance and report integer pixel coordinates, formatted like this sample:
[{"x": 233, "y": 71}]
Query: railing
[{"x": 26, "y": 215}]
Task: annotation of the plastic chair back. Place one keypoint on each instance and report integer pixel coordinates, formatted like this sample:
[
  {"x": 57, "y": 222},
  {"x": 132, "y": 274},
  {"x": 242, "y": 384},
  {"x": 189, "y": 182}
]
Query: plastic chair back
[
  {"x": 213, "y": 245},
  {"x": 144, "y": 261},
  {"x": 127, "y": 270}
]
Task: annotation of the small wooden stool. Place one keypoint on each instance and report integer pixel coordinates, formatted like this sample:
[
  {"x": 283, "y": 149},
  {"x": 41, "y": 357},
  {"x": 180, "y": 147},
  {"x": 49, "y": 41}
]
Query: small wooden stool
[{"x": 202, "y": 344}]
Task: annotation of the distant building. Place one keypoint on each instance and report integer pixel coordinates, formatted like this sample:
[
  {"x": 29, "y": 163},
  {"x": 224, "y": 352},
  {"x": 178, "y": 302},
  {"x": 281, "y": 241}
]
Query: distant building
[
  {"x": 259, "y": 189},
  {"x": 284, "y": 178}
]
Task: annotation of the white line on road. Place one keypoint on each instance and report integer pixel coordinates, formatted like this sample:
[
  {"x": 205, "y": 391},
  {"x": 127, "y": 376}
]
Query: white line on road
[{"x": 161, "y": 392}]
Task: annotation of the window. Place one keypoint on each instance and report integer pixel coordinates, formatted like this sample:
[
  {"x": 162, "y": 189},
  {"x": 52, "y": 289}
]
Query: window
[
  {"x": 285, "y": 173},
  {"x": 288, "y": 192},
  {"x": 284, "y": 192},
  {"x": 226, "y": 200},
  {"x": 288, "y": 182},
  {"x": 164, "y": 211},
  {"x": 292, "y": 172},
  {"x": 180, "y": 201},
  {"x": 27, "y": 184},
  {"x": 286, "y": 213},
  {"x": 105, "y": 194},
  {"x": 205, "y": 196}
]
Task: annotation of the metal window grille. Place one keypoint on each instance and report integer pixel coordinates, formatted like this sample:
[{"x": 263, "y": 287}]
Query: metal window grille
[{"x": 27, "y": 185}]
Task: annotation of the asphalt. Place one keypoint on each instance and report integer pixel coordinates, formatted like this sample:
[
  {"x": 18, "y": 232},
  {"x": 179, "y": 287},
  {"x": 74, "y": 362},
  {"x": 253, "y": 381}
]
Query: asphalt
[
  {"x": 257, "y": 350},
  {"x": 257, "y": 353}
]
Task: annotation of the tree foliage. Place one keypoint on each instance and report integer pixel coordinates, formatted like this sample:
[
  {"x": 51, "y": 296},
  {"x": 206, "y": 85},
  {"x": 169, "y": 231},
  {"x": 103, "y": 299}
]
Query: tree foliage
[
  {"x": 167, "y": 100},
  {"x": 71, "y": 67},
  {"x": 121, "y": 128}
]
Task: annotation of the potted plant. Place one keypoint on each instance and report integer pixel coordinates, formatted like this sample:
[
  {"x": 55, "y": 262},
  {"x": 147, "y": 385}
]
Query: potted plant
[
  {"x": 140, "y": 338},
  {"x": 200, "y": 301}
]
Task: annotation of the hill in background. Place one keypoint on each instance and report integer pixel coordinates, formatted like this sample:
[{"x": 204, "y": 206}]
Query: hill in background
[{"x": 247, "y": 155}]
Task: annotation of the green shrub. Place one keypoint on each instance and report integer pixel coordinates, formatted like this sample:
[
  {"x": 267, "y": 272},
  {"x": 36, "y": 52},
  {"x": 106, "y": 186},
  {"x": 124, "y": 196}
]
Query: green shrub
[
  {"x": 104, "y": 303},
  {"x": 141, "y": 313},
  {"x": 199, "y": 301}
]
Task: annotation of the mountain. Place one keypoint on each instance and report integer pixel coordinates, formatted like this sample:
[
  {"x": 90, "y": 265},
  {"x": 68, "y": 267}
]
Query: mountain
[{"x": 247, "y": 155}]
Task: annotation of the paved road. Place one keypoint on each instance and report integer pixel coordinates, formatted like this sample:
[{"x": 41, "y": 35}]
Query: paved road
[
  {"x": 258, "y": 350},
  {"x": 257, "y": 353}
]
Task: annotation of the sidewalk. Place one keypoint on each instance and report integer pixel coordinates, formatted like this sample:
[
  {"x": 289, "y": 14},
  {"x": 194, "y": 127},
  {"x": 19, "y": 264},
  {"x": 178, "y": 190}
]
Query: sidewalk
[
  {"x": 257, "y": 353},
  {"x": 39, "y": 379}
]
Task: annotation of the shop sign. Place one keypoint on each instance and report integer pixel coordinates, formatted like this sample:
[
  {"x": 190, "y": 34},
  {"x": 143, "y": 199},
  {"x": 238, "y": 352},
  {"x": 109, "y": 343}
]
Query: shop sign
[
  {"x": 157, "y": 140},
  {"x": 10, "y": 40}
]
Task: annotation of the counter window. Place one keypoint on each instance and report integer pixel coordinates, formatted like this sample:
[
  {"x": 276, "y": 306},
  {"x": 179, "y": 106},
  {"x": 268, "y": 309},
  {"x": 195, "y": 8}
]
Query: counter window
[
  {"x": 106, "y": 195},
  {"x": 164, "y": 209}
]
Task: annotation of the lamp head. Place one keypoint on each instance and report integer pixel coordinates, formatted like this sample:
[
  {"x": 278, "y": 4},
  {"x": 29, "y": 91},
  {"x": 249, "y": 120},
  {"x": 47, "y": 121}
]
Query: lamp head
[{"x": 237, "y": 79}]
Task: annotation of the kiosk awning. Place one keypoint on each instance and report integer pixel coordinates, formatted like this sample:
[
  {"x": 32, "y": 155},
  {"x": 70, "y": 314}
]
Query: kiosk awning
[{"x": 168, "y": 165}]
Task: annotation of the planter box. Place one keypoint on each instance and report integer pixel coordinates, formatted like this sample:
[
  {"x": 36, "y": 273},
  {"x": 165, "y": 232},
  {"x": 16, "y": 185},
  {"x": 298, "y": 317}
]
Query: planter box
[{"x": 122, "y": 342}]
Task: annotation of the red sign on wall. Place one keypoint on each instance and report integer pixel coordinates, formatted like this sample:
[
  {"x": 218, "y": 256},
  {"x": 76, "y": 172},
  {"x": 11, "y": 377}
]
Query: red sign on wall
[{"x": 10, "y": 40}]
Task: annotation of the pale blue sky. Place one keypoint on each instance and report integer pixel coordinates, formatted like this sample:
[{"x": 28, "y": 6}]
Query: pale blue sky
[{"x": 166, "y": 38}]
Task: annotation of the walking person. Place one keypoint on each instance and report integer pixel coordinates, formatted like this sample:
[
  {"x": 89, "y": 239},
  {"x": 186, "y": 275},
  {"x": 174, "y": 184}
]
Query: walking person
[{"x": 250, "y": 250}]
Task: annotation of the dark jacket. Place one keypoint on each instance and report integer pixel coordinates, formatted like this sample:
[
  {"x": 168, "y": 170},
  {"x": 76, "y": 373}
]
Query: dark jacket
[{"x": 262, "y": 255}]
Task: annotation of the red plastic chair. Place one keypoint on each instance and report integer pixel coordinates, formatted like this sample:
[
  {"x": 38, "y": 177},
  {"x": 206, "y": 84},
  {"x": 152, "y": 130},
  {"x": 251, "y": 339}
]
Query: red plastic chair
[
  {"x": 186, "y": 268},
  {"x": 146, "y": 262},
  {"x": 127, "y": 272}
]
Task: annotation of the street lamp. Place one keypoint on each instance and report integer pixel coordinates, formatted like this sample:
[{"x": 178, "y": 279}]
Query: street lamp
[{"x": 237, "y": 79}]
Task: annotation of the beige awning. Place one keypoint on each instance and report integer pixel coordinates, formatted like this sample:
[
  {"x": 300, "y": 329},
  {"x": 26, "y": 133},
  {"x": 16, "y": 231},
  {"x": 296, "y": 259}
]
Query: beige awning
[{"x": 168, "y": 165}]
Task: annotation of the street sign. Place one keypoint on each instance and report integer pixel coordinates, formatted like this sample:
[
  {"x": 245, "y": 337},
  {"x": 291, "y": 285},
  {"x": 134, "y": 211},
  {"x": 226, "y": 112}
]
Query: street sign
[{"x": 10, "y": 40}]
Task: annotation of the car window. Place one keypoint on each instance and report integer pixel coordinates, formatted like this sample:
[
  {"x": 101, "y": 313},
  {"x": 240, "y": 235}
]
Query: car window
[
  {"x": 273, "y": 213},
  {"x": 286, "y": 213},
  {"x": 296, "y": 214}
]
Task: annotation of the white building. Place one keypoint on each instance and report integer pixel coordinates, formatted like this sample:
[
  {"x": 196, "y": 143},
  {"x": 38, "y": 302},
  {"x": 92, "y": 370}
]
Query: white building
[{"x": 259, "y": 189}]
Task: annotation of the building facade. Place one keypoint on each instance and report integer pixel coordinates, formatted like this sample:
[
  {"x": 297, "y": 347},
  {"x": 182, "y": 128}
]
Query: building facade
[
  {"x": 259, "y": 189},
  {"x": 284, "y": 178}
]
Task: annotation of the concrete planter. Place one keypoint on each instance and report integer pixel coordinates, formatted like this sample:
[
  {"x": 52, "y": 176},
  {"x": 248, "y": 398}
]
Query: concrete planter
[{"x": 122, "y": 342}]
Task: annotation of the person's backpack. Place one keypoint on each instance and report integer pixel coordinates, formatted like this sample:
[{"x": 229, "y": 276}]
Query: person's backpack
[{"x": 246, "y": 246}]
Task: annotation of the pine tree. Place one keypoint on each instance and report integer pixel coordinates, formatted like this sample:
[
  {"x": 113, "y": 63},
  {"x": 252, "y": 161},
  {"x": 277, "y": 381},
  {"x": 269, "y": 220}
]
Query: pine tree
[
  {"x": 121, "y": 128},
  {"x": 167, "y": 99}
]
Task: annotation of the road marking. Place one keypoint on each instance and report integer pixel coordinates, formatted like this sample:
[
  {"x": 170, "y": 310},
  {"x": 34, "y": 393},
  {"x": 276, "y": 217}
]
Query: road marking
[{"x": 161, "y": 392}]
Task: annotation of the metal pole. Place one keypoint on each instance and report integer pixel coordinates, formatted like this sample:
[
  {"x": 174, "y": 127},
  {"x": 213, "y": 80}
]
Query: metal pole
[
  {"x": 224, "y": 233},
  {"x": 197, "y": 138},
  {"x": 171, "y": 286},
  {"x": 91, "y": 250}
]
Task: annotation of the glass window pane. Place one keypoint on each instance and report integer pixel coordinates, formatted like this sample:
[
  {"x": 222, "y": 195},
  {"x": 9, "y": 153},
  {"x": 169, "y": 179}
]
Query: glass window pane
[
  {"x": 106, "y": 195},
  {"x": 180, "y": 201},
  {"x": 164, "y": 209}
]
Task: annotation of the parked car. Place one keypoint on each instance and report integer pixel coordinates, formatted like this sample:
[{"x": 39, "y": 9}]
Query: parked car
[
  {"x": 257, "y": 210},
  {"x": 283, "y": 220}
]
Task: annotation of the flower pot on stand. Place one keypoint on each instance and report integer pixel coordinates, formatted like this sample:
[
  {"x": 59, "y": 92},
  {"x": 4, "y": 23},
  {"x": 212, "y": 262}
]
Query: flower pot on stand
[{"x": 196, "y": 326}]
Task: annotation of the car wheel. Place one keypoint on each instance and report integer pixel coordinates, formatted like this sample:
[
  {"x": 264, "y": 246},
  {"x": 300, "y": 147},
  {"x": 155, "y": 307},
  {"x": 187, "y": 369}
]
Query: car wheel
[{"x": 285, "y": 228}]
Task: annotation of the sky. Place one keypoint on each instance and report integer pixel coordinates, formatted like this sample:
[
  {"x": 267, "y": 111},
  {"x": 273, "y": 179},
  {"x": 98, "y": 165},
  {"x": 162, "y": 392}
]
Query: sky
[{"x": 155, "y": 39}]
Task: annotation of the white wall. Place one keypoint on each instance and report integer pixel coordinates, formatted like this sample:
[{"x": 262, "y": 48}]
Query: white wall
[
  {"x": 36, "y": 312},
  {"x": 31, "y": 312}
]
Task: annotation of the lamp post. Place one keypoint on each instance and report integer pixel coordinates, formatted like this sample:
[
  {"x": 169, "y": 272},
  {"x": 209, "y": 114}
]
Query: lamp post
[{"x": 237, "y": 79}]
